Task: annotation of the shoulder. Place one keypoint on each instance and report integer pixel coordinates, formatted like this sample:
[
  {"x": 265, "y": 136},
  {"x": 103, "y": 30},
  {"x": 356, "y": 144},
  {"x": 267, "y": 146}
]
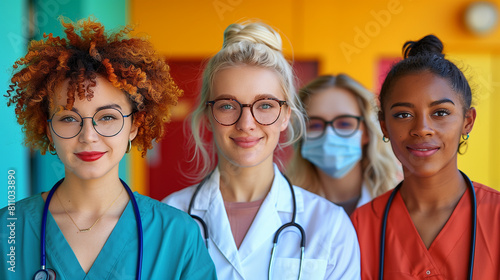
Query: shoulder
[
  {"x": 373, "y": 210},
  {"x": 316, "y": 206},
  {"x": 486, "y": 196},
  {"x": 483, "y": 189},
  {"x": 180, "y": 199},
  {"x": 160, "y": 213},
  {"x": 24, "y": 215},
  {"x": 314, "y": 201},
  {"x": 32, "y": 205},
  {"x": 183, "y": 194}
]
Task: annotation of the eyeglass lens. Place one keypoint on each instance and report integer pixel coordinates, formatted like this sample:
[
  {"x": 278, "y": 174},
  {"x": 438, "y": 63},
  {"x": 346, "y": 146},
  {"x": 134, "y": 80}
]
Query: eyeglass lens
[
  {"x": 107, "y": 122},
  {"x": 343, "y": 126},
  {"x": 227, "y": 112}
]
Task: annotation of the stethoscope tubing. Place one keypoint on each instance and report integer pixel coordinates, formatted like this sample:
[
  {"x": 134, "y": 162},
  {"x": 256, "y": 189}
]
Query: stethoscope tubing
[
  {"x": 137, "y": 218},
  {"x": 473, "y": 228},
  {"x": 44, "y": 222}
]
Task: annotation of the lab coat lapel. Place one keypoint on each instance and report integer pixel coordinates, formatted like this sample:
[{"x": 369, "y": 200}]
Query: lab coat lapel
[
  {"x": 217, "y": 221},
  {"x": 268, "y": 221}
]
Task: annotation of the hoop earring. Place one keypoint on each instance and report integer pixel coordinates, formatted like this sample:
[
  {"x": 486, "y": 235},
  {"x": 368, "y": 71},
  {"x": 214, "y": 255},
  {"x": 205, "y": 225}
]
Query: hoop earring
[
  {"x": 462, "y": 147},
  {"x": 385, "y": 139},
  {"x": 52, "y": 149},
  {"x": 129, "y": 146},
  {"x": 465, "y": 138}
]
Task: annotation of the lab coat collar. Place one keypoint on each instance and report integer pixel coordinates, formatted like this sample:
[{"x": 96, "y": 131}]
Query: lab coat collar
[
  {"x": 282, "y": 196},
  {"x": 208, "y": 192},
  {"x": 209, "y": 201},
  {"x": 279, "y": 195},
  {"x": 365, "y": 196},
  {"x": 264, "y": 226},
  {"x": 268, "y": 219}
]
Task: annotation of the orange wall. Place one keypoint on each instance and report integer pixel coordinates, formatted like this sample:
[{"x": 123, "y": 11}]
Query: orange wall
[
  {"x": 330, "y": 32},
  {"x": 315, "y": 28}
]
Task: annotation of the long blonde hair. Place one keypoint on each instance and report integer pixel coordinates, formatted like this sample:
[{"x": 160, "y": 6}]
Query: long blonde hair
[
  {"x": 380, "y": 168},
  {"x": 253, "y": 44}
]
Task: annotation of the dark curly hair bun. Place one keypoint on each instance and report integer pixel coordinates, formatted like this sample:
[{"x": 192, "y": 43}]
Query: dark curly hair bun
[{"x": 428, "y": 45}]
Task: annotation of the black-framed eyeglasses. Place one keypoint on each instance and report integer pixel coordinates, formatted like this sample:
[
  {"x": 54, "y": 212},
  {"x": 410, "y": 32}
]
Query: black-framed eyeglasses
[
  {"x": 343, "y": 126},
  {"x": 108, "y": 122},
  {"x": 227, "y": 111}
]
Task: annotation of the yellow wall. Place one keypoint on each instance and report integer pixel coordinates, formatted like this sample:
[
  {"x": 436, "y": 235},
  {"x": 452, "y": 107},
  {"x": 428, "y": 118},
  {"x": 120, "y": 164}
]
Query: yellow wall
[{"x": 330, "y": 32}]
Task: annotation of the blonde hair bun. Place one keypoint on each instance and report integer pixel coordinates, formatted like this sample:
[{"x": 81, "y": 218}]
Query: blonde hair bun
[
  {"x": 254, "y": 32},
  {"x": 254, "y": 44}
]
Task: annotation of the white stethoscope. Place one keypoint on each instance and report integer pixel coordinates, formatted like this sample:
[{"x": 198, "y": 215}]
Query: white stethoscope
[
  {"x": 292, "y": 223},
  {"x": 473, "y": 228},
  {"x": 48, "y": 273}
]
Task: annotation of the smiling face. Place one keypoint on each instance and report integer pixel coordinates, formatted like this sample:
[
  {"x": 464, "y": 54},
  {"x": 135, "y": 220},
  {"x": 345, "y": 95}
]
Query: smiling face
[
  {"x": 90, "y": 155},
  {"x": 247, "y": 143},
  {"x": 424, "y": 119}
]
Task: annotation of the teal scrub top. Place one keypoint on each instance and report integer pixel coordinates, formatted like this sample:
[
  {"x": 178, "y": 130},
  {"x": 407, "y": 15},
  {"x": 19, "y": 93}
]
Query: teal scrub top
[{"x": 173, "y": 248}]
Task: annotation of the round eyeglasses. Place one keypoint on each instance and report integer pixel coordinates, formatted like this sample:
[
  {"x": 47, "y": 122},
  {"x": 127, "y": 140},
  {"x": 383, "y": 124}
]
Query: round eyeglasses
[
  {"x": 343, "y": 126},
  {"x": 107, "y": 122},
  {"x": 227, "y": 111}
]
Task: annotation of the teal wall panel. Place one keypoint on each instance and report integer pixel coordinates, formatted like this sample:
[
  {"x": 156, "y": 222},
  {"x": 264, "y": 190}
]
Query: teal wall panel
[{"x": 14, "y": 155}]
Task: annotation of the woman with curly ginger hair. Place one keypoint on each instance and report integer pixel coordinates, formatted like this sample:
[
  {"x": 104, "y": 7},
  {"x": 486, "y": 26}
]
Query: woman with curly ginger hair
[{"x": 87, "y": 98}]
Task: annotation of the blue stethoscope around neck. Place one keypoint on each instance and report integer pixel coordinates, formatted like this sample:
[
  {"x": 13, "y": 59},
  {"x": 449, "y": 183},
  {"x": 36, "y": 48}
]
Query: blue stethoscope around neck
[
  {"x": 48, "y": 273},
  {"x": 292, "y": 223},
  {"x": 473, "y": 228}
]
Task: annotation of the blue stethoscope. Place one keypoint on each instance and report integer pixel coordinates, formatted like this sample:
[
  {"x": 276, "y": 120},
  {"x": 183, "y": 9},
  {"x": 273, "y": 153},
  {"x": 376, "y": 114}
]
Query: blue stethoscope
[
  {"x": 473, "y": 228},
  {"x": 48, "y": 273},
  {"x": 292, "y": 223}
]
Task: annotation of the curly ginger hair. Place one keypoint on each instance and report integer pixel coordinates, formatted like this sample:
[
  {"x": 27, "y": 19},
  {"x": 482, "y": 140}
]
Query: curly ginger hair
[{"x": 130, "y": 64}]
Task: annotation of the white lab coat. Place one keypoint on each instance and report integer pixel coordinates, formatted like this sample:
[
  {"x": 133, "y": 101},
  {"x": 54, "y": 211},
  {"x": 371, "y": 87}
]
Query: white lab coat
[{"x": 331, "y": 246}]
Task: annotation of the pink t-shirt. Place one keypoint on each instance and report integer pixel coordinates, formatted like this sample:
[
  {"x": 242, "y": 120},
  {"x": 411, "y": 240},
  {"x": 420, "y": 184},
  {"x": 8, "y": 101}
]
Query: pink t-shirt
[{"x": 241, "y": 215}]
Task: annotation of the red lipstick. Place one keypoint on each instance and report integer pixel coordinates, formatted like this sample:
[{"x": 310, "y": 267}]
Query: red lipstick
[{"x": 89, "y": 156}]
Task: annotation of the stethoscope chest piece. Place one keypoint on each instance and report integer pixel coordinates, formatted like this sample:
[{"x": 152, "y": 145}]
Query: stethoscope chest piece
[{"x": 45, "y": 274}]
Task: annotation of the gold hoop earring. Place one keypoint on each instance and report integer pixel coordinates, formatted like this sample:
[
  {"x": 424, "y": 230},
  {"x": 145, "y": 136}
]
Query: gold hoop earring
[
  {"x": 385, "y": 139},
  {"x": 52, "y": 149},
  {"x": 464, "y": 145},
  {"x": 129, "y": 146}
]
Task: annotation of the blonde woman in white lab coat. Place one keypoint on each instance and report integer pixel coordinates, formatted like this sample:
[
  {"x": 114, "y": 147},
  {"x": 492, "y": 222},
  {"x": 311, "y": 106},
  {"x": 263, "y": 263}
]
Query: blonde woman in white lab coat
[{"x": 248, "y": 100}]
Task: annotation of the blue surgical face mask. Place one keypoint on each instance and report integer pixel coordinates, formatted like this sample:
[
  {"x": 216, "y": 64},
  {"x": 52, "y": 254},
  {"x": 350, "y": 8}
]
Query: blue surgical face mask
[{"x": 334, "y": 155}]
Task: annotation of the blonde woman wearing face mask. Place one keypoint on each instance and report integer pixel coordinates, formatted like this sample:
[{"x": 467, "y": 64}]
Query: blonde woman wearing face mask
[
  {"x": 341, "y": 157},
  {"x": 255, "y": 222}
]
